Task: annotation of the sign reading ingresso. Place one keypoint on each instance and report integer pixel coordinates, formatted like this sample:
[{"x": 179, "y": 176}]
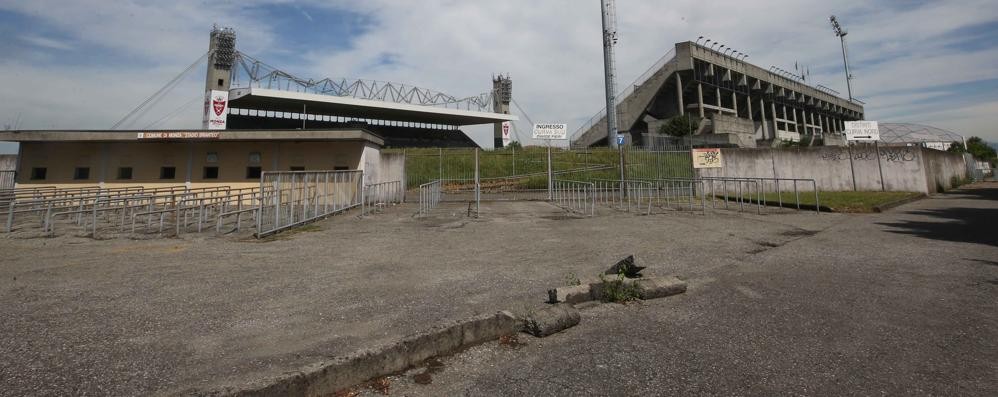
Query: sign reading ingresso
[
  {"x": 550, "y": 131},
  {"x": 862, "y": 131},
  {"x": 707, "y": 158},
  {"x": 179, "y": 135}
]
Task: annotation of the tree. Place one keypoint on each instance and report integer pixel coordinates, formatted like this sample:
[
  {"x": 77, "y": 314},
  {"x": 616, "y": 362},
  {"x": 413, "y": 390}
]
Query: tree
[
  {"x": 976, "y": 147},
  {"x": 680, "y": 126}
]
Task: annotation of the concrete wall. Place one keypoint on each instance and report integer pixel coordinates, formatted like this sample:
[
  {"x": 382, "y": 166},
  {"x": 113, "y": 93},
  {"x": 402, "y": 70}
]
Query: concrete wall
[
  {"x": 392, "y": 167},
  {"x": 8, "y": 162},
  {"x": 942, "y": 168},
  {"x": 189, "y": 158},
  {"x": 911, "y": 169}
]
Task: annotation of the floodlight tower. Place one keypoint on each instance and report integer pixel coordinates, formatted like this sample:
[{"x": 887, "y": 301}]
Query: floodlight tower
[
  {"x": 221, "y": 57},
  {"x": 841, "y": 34},
  {"x": 502, "y": 95},
  {"x": 609, "y": 9}
]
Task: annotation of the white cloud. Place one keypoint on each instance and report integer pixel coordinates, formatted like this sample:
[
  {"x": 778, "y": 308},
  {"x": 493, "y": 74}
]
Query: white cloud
[{"x": 45, "y": 42}]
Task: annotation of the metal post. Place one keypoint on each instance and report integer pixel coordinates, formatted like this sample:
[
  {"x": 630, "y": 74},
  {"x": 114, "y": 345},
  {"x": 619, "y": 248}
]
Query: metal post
[
  {"x": 550, "y": 176},
  {"x": 609, "y": 37},
  {"x": 876, "y": 146},
  {"x": 478, "y": 186}
]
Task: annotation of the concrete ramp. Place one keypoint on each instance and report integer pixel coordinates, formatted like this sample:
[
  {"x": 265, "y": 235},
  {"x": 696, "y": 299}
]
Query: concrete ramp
[{"x": 631, "y": 102}]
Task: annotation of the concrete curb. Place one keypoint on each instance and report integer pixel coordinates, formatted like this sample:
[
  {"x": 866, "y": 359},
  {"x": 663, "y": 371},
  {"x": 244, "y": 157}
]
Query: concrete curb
[
  {"x": 552, "y": 320},
  {"x": 898, "y": 203},
  {"x": 326, "y": 378},
  {"x": 650, "y": 288}
]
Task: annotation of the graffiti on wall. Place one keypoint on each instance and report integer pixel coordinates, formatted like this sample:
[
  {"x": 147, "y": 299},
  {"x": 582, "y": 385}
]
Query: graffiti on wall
[{"x": 888, "y": 154}]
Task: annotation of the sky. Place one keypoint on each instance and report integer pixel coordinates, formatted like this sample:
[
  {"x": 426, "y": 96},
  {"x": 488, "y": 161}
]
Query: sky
[{"x": 85, "y": 64}]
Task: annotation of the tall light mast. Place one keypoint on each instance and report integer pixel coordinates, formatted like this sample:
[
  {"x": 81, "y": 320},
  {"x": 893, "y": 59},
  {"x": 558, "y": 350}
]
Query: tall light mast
[
  {"x": 841, "y": 33},
  {"x": 609, "y": 9}
]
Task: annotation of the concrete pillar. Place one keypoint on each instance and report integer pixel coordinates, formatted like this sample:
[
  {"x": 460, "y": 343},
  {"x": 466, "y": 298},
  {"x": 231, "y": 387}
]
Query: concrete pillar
[
  {"x": 734, "y": 102},
  {"x": 762, "y": 111},
  {"x": 776, "y": 125},
  {"x": 103, "y": 164},
  {"x": 717, "y": 92},
  {"x": 679, "y": 94},
  {"x": 796, "y": 124},
  {"x": 813, "y": 129},
  {"x": 748, "y": 102},
  {"x": 700, "y": 98}
]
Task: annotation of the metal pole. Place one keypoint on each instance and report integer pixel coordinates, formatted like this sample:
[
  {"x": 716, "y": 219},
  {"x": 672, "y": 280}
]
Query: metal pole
[
  {"x": 609, "y": 36},
  {"x": 478, "y": 186},
  {"x": 845, "y": 60},
  {"x": 550, "y": 176},
  {"x": 880, "y": 166}
]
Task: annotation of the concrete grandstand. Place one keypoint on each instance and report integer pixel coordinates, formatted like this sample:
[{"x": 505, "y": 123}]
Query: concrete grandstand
[{"x": 735, "y": 103}]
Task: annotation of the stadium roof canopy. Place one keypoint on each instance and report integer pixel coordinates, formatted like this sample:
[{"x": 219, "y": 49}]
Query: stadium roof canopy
[
  {"x": 915, "y": 133},
  {"x": 296, "y": 102}
]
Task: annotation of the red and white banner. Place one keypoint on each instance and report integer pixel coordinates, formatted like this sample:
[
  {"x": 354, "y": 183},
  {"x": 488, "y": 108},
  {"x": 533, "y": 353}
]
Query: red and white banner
[
  {"x": 216, "y": 109},
  {"x": 506, "y": 138}
]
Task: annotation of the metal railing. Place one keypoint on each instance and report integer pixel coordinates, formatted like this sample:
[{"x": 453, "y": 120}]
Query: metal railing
[
  {"x": 678, "y": 194},
  {"x": 429, "y": 196},
  {"x": 575, "y": 196},
  {"x": 626, "y": 195},
  {"x": 764, "y": 186},
  {"x": 294, "y": 198},
  {"x": 379, "y": 195}
]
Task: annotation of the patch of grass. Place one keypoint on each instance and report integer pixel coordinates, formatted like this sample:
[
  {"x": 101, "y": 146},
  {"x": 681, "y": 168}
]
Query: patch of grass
[
  {"x": 616, "y": 290},
  {"x": 529, "y": 165},
  {"x": 571, "y": 279},
  {"x": 852, "y": 202}
]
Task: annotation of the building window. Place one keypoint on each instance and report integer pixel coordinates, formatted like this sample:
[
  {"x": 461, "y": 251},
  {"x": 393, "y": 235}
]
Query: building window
[
  {"x": 297, "y": 168},
  {"x": 167, "y": 172},
  {"x": 81, "y": 173},
  {"x": 124, "y": 172},
  {"x": 38, "y": 173},
  {"x": 253, "y": 172},
  {"x": 210, "y": 172}
]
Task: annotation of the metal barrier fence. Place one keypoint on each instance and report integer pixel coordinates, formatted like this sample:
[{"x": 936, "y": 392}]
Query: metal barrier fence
[
  {"x": 767, "y": 191},
  {"x": 677, "y": 194},
  {"x": 379, "y": 195},
  {"x": 575, "y": 196},
  {"x": 450, "y": 190},
  {"x": 625, "y": 195},
  {"x": 429, "y": 196},
  {"x": 117, "y": 210},
  {"x": 294, "y": 198}
]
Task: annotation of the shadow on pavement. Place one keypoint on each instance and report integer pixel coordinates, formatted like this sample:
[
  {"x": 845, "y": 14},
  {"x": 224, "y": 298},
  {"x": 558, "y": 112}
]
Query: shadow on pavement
[{"x": 970, "y": 221}]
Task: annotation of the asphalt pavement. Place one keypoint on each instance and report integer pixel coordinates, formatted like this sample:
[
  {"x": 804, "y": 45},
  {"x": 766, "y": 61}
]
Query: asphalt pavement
[{"x": 899, "y": 303}]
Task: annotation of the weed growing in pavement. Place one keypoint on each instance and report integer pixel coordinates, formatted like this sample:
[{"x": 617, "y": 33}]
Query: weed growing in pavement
[
  {"x": 616, "y": 290},
  {"x": 572, "y": 280}
]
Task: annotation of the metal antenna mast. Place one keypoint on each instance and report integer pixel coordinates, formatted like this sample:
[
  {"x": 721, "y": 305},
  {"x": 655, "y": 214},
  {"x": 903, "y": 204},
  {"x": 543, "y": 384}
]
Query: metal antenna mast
[
  {"x": 609, "y": 9},
  {"x": 841, "y": 33}
]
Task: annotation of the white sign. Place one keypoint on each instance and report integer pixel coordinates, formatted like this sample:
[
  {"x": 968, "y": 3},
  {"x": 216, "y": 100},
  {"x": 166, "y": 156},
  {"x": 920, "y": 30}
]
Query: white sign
[
  {"x": 550, "y": 131},
  {"x": 862, "y": 131},
  {"x": 707, "y": 158},
  {"x": 506, "y": 138},
  {"x": 216, "y": 109}
]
